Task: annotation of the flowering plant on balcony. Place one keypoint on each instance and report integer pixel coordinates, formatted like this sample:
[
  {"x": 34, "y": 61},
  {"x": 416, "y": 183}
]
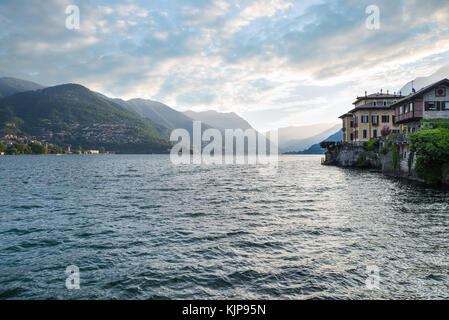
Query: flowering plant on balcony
[{"x": 386, "y": 131}]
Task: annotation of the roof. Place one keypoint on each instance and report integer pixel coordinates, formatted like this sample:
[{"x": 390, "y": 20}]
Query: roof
[
  {"x": 369, "y": 106},
  {"x": 378, "y": 96},
  {"x": 421, "y": 91},
  {"x": 346, "y": 115}
]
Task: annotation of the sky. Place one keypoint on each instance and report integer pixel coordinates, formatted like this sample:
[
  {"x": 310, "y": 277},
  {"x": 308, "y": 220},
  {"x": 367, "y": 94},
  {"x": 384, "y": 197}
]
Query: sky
[{"x": 277, "y": 63}]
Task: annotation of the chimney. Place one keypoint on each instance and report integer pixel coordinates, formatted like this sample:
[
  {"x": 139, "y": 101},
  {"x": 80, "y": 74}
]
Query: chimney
[
  {"x": 380, "y": 91},
  {"x": 400, "y": 93},
  {"x": 366, "y": 94},
  {"x": 388, "y": 91}
]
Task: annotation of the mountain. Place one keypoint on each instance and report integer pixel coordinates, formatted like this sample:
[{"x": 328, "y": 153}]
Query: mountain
[
  {"x": 73, "y": 115},
  {"x": 220, "y": 120},
  {"x": 422, "y": 82},
  {"x": 10, "y": 86},
  {"x": 292, "y": 139},
  {"x": 159, "y": 113},
  {"x": 316, "y": 148}
]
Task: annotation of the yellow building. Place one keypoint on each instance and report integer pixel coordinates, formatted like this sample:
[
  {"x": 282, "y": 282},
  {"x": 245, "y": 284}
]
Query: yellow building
[
  {"x": 348, "y": 127},
  {"x": 370, "y": 115}
]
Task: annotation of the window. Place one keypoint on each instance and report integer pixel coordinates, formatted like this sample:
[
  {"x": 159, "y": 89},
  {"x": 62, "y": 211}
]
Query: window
[
  {"x": 431, "y": 106},
  {"x": 351, "y": 124},
  {"x": 445, "y": 106},
  {"x": 375, "y": 119},
  {"x": 411, "y": 107},
  {"x": 385, "y": 118},
  {"x": 365, "y": 133},
  {"x": 374, "y": 133},
  {"x": 401, "y": 111},
  {"x": 374, "y": 103},
  {"x": 365, "y": 118},
  {"x": 385, "y": 103},
  {"x": 440, "y": 92},
  {"x": 352, "y": 136},
  {"x": 395, "y": 130},
  {"x": 393, "y": 118}
]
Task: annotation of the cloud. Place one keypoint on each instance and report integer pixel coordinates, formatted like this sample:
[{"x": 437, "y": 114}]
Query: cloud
[{"x": 271, "y": 60}]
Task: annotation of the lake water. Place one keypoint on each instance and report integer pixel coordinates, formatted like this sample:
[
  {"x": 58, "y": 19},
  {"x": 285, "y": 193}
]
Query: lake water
[{"x": 140, "y": 228}]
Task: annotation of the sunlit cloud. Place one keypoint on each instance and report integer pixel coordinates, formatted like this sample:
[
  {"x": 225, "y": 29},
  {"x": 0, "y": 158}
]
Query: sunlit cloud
[{"x": 276, "y": 62}]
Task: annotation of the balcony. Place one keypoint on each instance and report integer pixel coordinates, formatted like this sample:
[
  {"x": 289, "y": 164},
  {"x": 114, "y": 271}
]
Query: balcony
[{"x": 416, "y": 114}]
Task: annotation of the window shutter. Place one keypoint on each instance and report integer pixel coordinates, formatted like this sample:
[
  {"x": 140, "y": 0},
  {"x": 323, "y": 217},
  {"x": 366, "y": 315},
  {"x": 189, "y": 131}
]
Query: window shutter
[{"x": 427, "y": 106}]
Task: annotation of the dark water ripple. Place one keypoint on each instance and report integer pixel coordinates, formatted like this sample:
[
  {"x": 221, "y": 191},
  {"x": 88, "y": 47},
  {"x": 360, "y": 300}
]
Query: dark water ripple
[{"x": 140, "y": 228}]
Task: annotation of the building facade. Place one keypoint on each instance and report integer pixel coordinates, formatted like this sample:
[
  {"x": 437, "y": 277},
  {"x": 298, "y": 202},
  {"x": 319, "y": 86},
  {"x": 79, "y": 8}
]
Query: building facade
[
  {"x": 371, "y": 114},
  {"x": 431, "y": 102}
]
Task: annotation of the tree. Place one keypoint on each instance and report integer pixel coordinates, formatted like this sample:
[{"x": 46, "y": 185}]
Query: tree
[
  {"x": 3, "y": 147},
  {"x": 23, "y": 148},
  {"x": 55, "y": 150},
  {"x": 38, "y": 148}
]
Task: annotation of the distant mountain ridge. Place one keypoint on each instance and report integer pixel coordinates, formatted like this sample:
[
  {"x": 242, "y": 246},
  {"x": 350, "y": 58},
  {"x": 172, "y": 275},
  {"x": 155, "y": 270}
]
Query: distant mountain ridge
[
  {"x": 220, "y": 120},
  {"x": 10, "y": 86},
  {"x": 422, "y": 82},
  {"x": 293, "y": 139},
  {"x": 316, "y": 148},
  {"x": 71, "y": 114}
]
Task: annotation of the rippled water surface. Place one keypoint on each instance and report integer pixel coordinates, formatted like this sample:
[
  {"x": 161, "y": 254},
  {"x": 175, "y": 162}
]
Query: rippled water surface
[{"x": 140, "y": 228}]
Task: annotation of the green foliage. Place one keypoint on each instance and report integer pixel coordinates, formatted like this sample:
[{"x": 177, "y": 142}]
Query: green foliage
[
  {"x": 361, "y": 161},
  {"x": 410, "y": 161},
  {"x": 429, "y": 124},
  {"x": 18, "y": 149},
  {"x": 387, "y": 147},
  {"x": 395, "y": 157},
  {"x": 432, "y": 153},
  {"x": 372, "y": 144},
  {"x": 2, "y": 147},
  {"x": 38, "y": 148},
  {"x": 55, "y": 150}
]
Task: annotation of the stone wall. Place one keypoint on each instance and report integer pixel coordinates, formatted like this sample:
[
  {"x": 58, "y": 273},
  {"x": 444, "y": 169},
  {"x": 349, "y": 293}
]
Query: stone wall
[{"x": 348, "y": 155}]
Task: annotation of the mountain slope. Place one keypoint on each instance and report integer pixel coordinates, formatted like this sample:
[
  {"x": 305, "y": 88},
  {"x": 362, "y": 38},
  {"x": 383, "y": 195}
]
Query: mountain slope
[
  {"x": 219, "y": 120},
  {"x": 73, "y": 115},
  {"x": 294, "y": 139},
  {"x": 422, "y": 82},
  {"x": 159, "y": 113},
  {"x": 10, "y": 86}
]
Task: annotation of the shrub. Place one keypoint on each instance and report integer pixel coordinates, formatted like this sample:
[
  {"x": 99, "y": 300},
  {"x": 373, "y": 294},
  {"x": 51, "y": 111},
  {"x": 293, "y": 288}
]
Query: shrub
[
  {"x": 395, "y": 158},
  {"x": 431, "y": 148},
  {"x": 372, "y": 144},
  {"x": 361, "y": 161}
]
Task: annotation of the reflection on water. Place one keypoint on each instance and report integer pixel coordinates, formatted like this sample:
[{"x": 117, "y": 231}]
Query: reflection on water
[{"x": 140, "y": 228}]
